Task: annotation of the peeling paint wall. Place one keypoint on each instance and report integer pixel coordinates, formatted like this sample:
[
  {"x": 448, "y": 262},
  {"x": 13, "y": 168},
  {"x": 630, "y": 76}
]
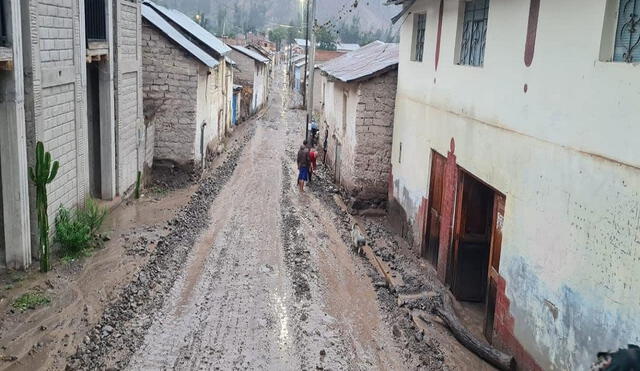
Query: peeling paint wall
[{"x": 569, "y": 168}]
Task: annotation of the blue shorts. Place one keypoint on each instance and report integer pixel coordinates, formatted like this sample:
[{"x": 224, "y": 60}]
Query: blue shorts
[{"x": 304, "y": 174}]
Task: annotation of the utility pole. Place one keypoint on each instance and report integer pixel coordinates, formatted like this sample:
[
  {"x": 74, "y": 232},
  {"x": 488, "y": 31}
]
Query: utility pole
[
  {"x": 306, "y": 56},
  {"x": 312, "y": 63}
]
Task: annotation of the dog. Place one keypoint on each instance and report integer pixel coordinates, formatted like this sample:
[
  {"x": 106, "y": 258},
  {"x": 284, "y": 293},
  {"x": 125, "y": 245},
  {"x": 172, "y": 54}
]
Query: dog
[{"x": 358, "y": 239}]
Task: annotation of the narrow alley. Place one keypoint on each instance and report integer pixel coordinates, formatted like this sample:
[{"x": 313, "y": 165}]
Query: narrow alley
[{"x": 265, "y": 280}]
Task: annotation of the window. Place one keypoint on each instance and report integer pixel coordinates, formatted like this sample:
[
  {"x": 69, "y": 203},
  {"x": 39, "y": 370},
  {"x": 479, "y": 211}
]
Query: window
[
  {"x": 419, "y": 28},
  {"x": 474, "y": 32},
  {"x": 345, "y": 97},
  {"x": 627, "y": 41}
]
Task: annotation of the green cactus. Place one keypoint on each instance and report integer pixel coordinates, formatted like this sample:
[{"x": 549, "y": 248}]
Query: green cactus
[{"x": 43, "y": 174}]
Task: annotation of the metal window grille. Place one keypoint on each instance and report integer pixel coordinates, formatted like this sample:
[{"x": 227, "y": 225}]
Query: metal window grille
[
  {"x": 474, "y": 32},
  {"x": 4, "y": 40},
  {"x": 95, "y": 20},
  {"x": 627, "y": 44},
  {"x": 419, "y": 38}
]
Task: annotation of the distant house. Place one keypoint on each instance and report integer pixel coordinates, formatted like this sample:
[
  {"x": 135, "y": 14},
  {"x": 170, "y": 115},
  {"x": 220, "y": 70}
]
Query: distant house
[
  {"x": 298, "y": 75},
  {"x": 342, "y": 47},
  {"x": 323, "y": 56},
  {"x": 355, "y": 97},
  {"x": 253, "y": 74},
  {"x": 187, "y": 85}
]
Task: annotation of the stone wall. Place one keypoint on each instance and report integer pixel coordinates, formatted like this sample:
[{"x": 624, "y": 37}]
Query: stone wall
[
  {"x": 246, "y": 68},
  {"x": 170, "y": 85},
  {"x": 374, "y": 136}
]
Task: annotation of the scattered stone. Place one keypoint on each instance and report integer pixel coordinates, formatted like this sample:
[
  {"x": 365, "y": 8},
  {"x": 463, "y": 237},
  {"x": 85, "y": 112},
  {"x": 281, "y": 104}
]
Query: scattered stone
[{"x": 396, "y": 331}]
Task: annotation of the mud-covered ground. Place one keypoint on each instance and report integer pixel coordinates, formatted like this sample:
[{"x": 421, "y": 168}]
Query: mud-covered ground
[{"x": 236, "y": 271}]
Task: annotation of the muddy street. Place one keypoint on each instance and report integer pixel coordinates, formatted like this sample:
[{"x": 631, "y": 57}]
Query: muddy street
[{"x": 264, "y": 280}]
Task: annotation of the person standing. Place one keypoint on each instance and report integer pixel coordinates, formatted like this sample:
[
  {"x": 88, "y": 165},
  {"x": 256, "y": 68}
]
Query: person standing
[
  {"x": 313, "y": 155},
  {"x": 304, "y": 161}
]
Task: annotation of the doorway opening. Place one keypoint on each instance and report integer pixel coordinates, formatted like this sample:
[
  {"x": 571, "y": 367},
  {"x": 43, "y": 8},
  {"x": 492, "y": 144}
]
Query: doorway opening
[
  {"x": 93, "y": 121},
  {"x": 431, "y": 243},
  {"x": 475, "y": 257}
]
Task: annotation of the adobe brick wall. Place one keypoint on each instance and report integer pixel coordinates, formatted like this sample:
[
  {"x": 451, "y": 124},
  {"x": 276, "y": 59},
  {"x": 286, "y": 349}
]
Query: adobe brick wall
[
  {"x": 246, "y": 68},
  {"x": 169, "y": 85},
  {"x": 374, "y": 136}
]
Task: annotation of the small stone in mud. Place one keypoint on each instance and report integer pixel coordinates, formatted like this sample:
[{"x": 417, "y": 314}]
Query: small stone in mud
[
  {"x": 323, "y": 353},
  {"x": 304, "y": 317},
  {"x": 42, "y": 328},
  {"x": 396, "y": 331}
]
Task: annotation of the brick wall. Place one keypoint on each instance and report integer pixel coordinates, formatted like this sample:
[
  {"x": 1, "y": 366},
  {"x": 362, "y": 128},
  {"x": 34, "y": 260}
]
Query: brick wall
[
  {"x": 374, "y": 133},
  {"x": 55, "y": 18},
  {"x": 246, "y": 68},
  {"x": 59, "y": 138},
  {"x": 170, "y": 95}
]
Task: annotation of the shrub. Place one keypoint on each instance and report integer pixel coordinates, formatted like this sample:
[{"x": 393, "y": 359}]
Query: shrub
[
  {"x": 93, "y": 216},
  {"x": 30, "y": 300},
  {"x": 72, "y": 233}
]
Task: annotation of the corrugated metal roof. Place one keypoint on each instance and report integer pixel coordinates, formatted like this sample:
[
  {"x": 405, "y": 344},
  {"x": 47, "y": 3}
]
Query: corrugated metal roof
[
  {"x": 230, "y": 61},
  {"x": 297, "y": 58},
  {"x": 191, "y": 27},
  {"x": 364, "y": 62},
  {"x": 301, "y": 63},
  {"x": 157, "y": 20},
  {"x": 250, "y": 53},
  {"x": 347, "y": 47},
  {"x": 301, "y": 42}
]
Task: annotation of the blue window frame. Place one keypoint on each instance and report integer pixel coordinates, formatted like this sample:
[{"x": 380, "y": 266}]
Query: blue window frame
[
  {"x": 627, "y": 44},
  {"x": 474, "y": 32}
]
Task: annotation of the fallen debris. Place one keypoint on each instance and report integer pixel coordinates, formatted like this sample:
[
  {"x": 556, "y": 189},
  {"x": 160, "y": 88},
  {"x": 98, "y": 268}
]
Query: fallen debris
[{"x": 490, "y": 354}]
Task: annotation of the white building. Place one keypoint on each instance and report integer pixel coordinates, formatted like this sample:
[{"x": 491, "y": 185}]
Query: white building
[{"x": 516, "y": 168}]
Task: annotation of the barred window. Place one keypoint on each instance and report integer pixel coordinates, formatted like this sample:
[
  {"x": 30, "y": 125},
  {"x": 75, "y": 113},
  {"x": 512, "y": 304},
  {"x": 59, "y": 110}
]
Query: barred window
[
  {"x": 419, "y": 29},
  {"x": 627, "y": 43},
  {"x": 474, "y": 32}
]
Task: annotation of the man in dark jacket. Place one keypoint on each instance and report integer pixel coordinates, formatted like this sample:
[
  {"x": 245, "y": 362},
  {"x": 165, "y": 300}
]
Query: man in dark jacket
[{"x": 304, "y": 161}]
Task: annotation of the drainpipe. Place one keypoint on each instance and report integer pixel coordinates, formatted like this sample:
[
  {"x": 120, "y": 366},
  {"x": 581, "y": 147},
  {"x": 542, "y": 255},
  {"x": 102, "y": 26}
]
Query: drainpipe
[{"x": 202, "y": 150}]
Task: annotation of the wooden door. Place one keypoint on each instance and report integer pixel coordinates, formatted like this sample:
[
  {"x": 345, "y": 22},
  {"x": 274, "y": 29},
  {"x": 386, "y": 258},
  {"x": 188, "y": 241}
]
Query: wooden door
[
  {"x": 494, "y": 263},
  {"x": 431, "y": 244},
  {"x": 472, "y": 239}
]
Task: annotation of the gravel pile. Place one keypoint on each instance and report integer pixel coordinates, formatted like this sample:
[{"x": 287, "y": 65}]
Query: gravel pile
[{"x": 123, "y": 325}]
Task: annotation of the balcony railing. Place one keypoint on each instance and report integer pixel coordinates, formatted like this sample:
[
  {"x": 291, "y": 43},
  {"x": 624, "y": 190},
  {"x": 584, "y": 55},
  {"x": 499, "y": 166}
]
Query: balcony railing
[
  {"x": 95, "y": 12},
  {"x": 4, "y": 40}
]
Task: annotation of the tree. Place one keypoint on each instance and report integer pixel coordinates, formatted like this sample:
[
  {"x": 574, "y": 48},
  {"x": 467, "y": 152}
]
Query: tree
[
  {"x": 326, "y": 38},
  {"x": 277, "y": 35}
]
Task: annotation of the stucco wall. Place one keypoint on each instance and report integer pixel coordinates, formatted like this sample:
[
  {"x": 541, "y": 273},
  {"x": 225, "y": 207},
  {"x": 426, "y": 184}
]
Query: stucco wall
[
  {"x": 563, "y": 151},
  {"x": 209, "y": 107},
  {"x": 170, "y": 91}
]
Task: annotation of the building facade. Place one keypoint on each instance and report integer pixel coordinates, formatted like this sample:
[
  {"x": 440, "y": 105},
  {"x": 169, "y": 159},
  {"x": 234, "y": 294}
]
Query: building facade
[
  {"x": 521, "y": 187},
  {"x": 187, "y": 86},
  {"x": 355, "y": 97},
  {"x": 66, "y": 81},
  {"x": 252, "y": 74}
]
